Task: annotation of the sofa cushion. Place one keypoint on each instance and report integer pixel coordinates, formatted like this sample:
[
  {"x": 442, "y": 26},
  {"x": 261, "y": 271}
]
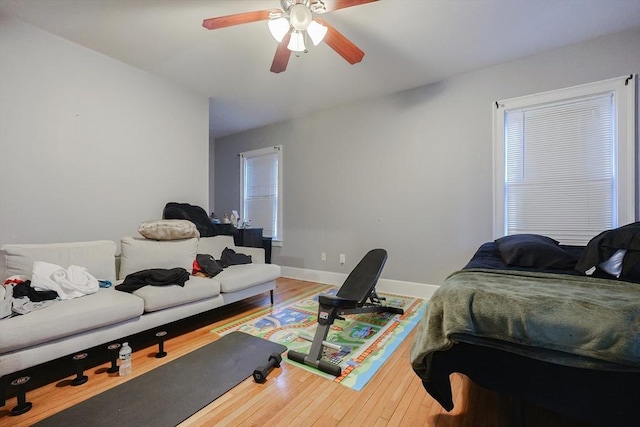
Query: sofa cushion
[
  {"x": 168, "y": 229},
  {"x": 98, "y": 257},
  {"x": 215, "y": 245},
  {"x": 68, "y": 317},
  {"x": 161, "y": 297},
  {"x": 141, "y": 254},
  {"x": 239, "y": 277}
]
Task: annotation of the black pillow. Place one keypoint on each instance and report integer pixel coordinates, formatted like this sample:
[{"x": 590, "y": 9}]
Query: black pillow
[{"x": 534, "y": 251}]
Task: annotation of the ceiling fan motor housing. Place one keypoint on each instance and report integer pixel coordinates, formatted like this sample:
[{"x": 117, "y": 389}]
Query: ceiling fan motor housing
[
  {"x": 300, "y": 16},
  {"x": 286, "y": 4}
]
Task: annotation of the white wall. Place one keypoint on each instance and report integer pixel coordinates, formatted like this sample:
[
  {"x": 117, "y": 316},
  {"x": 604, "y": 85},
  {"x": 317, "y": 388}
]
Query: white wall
[
  {"x": 89, "y": 146},
  {"x": 410, "y": 172}
]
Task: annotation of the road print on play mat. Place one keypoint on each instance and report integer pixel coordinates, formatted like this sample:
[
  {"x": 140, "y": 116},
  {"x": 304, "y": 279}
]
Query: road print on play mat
[{"x": 363, "y": 342}]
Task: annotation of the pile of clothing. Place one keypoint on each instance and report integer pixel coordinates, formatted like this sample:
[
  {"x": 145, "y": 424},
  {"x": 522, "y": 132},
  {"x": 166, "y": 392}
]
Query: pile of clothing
[
  {"x": 49, "y": 283},
  {"x": 206, "y": 265}
]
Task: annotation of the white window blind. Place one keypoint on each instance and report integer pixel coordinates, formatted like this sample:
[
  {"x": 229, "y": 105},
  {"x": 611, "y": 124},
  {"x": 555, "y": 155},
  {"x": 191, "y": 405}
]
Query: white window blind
[
  {"x": 562, "y": 172},
  {"x": 261, "y": 189}
]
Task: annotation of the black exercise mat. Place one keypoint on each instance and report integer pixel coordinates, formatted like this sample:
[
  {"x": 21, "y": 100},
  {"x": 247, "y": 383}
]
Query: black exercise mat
[{"x": 171, "y": 393}]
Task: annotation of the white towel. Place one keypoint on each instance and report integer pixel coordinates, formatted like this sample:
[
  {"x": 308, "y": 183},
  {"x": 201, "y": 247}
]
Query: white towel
[
  {"x": 72, "y": 282},
  {"x": 5, "y": 300}
]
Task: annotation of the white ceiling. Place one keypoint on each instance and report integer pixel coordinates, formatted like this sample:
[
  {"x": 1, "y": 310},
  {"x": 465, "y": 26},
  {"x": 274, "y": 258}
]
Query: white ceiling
[{"x": 407, "y": 43}]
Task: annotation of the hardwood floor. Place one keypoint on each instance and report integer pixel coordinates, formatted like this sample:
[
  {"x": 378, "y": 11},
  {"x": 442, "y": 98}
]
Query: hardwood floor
[{"x": 290, "y": 396}]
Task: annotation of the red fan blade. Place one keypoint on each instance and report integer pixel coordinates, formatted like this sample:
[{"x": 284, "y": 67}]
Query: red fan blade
[
  {"x": 342, "y": 45},
  {"x": 341, "y": 4},
  {"x": 281, "y": 58},
  {"x": 237, "y": 19}
]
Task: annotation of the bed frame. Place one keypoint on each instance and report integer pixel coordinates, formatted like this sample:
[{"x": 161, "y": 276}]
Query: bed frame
[{"x": 607, "y": 397}]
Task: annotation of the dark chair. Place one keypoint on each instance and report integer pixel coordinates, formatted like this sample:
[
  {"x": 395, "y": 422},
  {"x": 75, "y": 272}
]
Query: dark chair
[{"x": 356, "y": 295}]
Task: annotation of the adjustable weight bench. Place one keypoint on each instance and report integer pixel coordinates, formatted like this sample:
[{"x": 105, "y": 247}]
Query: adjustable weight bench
[{"x": 356, "y": 295}]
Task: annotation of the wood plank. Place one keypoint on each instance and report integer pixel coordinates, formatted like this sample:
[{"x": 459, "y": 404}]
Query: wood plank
[{"x": 293, "y": 396}]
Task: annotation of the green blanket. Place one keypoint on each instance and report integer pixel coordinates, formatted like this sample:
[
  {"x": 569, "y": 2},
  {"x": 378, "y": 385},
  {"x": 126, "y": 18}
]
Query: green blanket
[{"x": 570, "y": 320}]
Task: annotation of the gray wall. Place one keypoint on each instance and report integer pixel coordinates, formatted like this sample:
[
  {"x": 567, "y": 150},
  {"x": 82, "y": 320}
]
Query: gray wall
[
  {"x": 212, "y": 171},
  {"x": 89, "y": 146},
  {"x": 410, "y": 172}
]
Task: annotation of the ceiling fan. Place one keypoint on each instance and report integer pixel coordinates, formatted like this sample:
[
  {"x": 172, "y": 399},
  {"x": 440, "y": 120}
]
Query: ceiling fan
[{"x": 295, "y": 24}]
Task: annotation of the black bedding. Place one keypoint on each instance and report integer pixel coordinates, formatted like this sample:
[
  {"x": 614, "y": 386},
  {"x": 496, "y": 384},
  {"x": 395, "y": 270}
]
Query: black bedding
[{"x": 601, "y": 392}]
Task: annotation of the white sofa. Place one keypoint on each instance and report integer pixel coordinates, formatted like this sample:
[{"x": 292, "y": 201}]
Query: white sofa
[{"x": 68, "y": 326}]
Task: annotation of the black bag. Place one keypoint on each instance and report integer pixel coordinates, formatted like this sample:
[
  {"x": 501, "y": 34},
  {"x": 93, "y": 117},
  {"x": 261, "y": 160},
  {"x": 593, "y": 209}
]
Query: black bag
[
  {"x": 208, "y": 265},
  {"x": 195, "y": 214}
]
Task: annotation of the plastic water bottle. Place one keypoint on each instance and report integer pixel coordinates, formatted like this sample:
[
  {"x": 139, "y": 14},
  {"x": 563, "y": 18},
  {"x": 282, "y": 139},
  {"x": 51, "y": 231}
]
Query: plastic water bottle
[{"x": 125, "y": 359}]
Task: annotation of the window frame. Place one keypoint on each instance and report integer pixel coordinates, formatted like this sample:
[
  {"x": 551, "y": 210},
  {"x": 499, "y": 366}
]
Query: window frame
[
  {"x": 278, "y": 238},
  {"x": 623, "y": 90}
]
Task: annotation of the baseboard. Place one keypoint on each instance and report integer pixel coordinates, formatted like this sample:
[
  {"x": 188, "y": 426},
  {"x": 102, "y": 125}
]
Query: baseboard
[{"x": 414, "y": 289}]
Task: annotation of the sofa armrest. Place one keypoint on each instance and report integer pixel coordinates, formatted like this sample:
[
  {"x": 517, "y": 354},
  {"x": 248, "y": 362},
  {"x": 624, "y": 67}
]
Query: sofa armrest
[{"x": 257, "y": 254}]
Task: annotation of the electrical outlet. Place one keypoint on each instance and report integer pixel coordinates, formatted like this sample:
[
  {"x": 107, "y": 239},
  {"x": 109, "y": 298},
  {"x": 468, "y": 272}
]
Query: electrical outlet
[
  {"x": 323, "y": 256},
  {"x": 342, "y": 259}
]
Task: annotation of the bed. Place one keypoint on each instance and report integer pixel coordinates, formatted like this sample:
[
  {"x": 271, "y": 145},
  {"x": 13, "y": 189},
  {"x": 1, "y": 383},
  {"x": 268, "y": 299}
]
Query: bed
[{"x": 557, "y": 326}]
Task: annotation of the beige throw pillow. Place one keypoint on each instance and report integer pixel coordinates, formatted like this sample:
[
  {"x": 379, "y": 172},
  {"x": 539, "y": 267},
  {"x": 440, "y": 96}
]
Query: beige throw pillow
[{"x": 168, "y": 229}]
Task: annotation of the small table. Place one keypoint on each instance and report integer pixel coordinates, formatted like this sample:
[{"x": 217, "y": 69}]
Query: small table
[{"x": 252, "y": 237}]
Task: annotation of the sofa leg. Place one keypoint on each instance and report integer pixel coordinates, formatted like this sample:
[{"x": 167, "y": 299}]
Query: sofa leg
[
  {"x": 3, "y": 396},
  {"x": 80, "y": 378},
  {"x": 23, "y": 406},
  {"x": 271, "y": 293},
  {"x": 113, "y": 350},
  {"x": 161, "y": 353}
]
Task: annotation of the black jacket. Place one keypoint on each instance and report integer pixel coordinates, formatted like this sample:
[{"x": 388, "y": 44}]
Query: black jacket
[
  {"x": 154, "y": 277},
  {"x": 605, "y": 244}
]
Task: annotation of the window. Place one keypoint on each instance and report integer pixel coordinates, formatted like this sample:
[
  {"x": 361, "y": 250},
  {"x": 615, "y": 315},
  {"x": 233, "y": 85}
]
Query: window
[
  {"x": 261, "y": 190},
  {"x": 565, "y": 161}
]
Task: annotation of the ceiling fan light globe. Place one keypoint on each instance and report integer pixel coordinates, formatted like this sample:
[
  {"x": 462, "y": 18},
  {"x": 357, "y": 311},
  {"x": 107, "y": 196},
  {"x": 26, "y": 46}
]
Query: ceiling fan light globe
[
  {"x": 279, "y": 28},
  {"x": 300, "y": 16},
  {"x": 316, "y": 32},
  {"x": 296, "y": 43}
]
